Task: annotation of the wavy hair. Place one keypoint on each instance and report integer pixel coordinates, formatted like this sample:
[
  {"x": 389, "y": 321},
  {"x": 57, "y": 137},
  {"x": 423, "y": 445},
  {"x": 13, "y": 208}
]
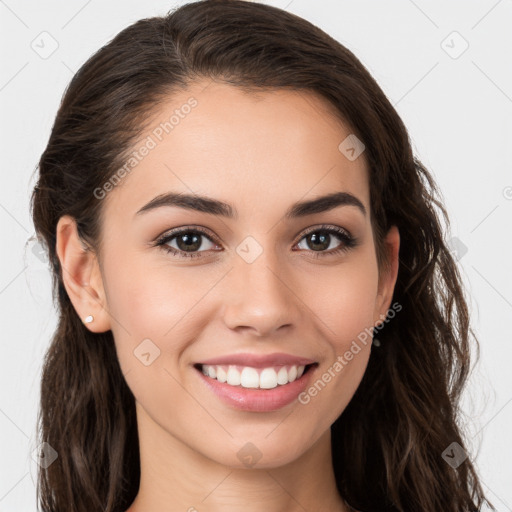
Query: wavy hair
[{"x": 388, "y": 443}]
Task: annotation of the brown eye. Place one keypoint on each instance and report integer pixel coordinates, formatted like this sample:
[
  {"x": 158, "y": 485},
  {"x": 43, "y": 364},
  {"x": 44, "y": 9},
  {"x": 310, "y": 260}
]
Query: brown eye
[
  {"x": 319, "y": 240},
  {"x": 186, "y": 242},
  {"x": 189, "y": 241},
  {"x": 328, "y": 240}
]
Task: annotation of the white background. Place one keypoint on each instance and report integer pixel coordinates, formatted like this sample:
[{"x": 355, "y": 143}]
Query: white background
[{"x": 459, "y": 115}]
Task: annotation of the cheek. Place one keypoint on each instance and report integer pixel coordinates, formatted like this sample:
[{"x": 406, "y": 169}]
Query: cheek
[
  {"x": 150, "y": 298},
  {"x": 155, "y": 302},
  {"x": 346, "y": 310},
  {"x": 346, "y": 303}
]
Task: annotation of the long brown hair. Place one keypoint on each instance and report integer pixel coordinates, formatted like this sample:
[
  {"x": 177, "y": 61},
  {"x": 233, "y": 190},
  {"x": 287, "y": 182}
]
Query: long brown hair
[{"x": 388, "y": 444}]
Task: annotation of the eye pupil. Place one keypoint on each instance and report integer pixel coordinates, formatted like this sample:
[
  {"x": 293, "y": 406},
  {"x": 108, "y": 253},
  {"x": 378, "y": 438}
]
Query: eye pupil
[
  {"x": 191, "y": 242},
  {"x": 319, "y": 240}
]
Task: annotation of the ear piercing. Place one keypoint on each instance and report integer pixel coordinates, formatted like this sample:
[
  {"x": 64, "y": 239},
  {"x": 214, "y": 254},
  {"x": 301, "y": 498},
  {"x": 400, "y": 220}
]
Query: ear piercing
[{"x": 88, "y": 319}]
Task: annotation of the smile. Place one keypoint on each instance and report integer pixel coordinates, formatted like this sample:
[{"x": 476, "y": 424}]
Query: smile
[
  {"x": 243, "y": 387},
  {"x": 256, "y": 378}
]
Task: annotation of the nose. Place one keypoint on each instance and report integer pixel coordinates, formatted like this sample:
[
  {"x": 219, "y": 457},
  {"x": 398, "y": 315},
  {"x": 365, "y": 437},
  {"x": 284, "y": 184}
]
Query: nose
[{"x": 261, "y": 297}]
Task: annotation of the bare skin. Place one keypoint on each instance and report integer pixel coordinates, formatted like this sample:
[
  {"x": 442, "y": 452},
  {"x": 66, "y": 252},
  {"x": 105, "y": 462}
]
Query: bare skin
[{"x": 259, "y": 153}]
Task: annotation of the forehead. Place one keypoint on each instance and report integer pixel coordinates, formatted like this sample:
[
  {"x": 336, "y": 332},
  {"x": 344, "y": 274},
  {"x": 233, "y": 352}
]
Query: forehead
[{"x": 262, "y": 150}]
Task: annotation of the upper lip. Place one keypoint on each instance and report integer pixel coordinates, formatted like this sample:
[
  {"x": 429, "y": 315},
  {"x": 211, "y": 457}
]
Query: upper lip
[{"x": 259, "y": 360}]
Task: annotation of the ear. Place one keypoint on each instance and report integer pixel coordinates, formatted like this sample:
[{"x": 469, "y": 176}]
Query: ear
[
  {"x": 387, "y": 276},
  {"x": 81, "y": 276}
]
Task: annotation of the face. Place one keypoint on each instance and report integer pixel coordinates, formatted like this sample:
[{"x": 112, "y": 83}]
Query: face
[{"x": 253, "y": 278}]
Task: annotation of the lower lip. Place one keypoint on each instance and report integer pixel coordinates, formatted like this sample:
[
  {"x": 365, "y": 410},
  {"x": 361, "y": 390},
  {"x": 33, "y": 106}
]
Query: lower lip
[{"x": 258, "y": 400}]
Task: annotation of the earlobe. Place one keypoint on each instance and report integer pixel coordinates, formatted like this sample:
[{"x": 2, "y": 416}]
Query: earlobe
[
  {"x": 388, "y": 275},
  {"x": 81, "y": 276}
]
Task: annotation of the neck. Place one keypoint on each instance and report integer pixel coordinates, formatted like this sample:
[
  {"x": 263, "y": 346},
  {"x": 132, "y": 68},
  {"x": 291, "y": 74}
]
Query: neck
[{"x": 176, "y": 477}]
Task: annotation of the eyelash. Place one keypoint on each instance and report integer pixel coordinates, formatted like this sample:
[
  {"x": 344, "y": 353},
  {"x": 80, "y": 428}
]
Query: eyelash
[{"x": 348, "y": 241}]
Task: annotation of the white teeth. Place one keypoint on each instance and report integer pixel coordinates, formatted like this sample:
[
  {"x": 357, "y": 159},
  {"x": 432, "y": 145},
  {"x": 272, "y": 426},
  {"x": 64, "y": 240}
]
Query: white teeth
[
  {"x": 233, "y": 376},
  {"x": 282, "y": 376},
  {"x": 248, "y": 377},
  {"x": 268, "y": 378},
  {"x": 221, "y": 374}
]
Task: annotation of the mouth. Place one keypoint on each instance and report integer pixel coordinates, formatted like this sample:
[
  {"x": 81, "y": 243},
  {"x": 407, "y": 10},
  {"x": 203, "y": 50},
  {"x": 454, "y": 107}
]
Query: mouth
[{"x": 241, "y": 376}]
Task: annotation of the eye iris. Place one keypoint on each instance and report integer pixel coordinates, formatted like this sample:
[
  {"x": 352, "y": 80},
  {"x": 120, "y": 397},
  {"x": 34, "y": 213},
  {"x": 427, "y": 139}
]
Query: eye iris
[
  {"x": 319, "y": 240},
  {"x": 191, "y": 242}
]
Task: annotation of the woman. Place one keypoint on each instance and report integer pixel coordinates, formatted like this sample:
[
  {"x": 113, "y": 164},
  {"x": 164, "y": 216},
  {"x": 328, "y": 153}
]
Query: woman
[{"x": 257, "y": 306}]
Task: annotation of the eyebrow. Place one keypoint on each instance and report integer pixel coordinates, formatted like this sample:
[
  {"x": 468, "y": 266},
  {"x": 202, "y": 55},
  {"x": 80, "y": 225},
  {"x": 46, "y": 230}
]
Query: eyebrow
[{"x": 215, "y": 207}]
